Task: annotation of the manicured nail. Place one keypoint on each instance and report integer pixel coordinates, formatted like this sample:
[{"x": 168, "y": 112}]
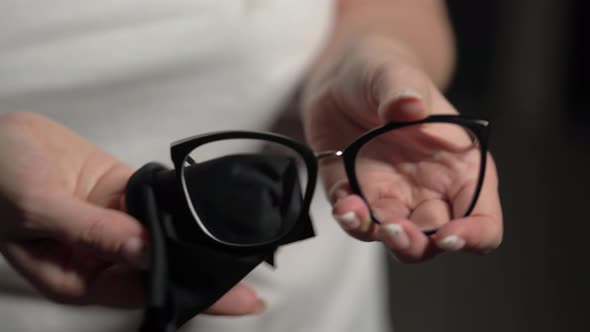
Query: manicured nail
[
  {"x": 135, "y": 252},
  {"x": 407, "y": 94},
  {"x": 348, "y": 221},
  {"x": 451, "y": 243},
  {"x": 396, "y": 234},
  {"x": 407, "y": 101},
  {"x": 260, "y": 308}
]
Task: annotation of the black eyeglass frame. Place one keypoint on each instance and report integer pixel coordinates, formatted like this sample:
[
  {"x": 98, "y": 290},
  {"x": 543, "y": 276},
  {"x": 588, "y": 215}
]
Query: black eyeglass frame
[{"x": 179, "y": 151}]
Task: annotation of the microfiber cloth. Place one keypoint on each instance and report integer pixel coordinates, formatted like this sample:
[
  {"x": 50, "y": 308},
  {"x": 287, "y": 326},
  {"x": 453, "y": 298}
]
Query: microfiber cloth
[{"x": 239, "y": 199}]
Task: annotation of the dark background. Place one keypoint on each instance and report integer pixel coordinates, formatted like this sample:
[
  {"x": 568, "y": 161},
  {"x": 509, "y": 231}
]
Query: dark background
[{"x": 524, "y": 66}]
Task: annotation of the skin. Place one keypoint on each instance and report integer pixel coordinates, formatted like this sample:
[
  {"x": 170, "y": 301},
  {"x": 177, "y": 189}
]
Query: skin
[
  {"x": 63, "y": 225},
  {"x": 381, "y": 66}
]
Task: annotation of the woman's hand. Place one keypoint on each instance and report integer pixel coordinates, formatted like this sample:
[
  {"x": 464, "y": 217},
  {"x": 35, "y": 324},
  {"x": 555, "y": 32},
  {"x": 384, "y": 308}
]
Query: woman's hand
[
  {"x": 371, "y": 83},
  {"x": 62, "y": 223}
]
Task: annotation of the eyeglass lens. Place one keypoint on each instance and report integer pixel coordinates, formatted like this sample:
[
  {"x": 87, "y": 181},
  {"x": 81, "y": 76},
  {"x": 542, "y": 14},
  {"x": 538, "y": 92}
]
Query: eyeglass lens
[
  {"x": 245, "y": 191},
  {"x": 427, "y": 173}
]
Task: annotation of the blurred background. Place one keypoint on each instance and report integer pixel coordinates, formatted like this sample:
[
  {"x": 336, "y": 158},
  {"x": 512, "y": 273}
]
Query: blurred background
[{"x": 524, "y": 66}]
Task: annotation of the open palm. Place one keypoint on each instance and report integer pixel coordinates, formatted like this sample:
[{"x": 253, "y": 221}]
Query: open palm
[
  {"x": 426, "y": 173},
  {"x": 413, "y": 179}
]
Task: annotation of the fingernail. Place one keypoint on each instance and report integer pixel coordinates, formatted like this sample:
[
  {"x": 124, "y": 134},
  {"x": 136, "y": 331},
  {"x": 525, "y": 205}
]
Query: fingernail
[
  {"x": 409, "y": 101},
  {"x": 135, "y": 252},
  {"x": 396, "y": 234},
  {"x": 407, "y": 94},
  {"x": 451, "y": 243},
  {"x": 260, "y": 308},
  {"x": 348, "y": 221}
]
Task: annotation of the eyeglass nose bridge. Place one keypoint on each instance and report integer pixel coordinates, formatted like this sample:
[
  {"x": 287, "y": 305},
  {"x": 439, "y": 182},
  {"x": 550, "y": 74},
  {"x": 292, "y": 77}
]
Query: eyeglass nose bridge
[{"x": 327, "y": 154}]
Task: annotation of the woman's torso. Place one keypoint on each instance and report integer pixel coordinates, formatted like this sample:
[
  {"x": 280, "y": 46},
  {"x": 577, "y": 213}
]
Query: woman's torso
[{"x": 133, "y": 76}]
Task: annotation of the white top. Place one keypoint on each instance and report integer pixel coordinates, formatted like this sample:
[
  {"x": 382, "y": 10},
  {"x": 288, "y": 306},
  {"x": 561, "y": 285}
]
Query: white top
[{"x": 134, "y": 76}]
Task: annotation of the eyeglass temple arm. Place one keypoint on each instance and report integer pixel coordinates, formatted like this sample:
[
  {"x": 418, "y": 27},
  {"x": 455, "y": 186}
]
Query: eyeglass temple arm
[{"x": 327, "y": 154}]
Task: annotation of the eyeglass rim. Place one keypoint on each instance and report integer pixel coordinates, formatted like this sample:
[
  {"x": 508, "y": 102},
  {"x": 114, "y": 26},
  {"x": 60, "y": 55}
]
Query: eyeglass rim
[
  {"x": 479, "y": 127},
  {"x": 181, "y": 148}
]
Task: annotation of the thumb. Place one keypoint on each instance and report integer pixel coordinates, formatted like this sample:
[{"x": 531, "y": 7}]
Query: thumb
[
  {"x": 111, "y": 233},
  {"x": 240, "y": 300},
  {"x": 400, "y": 93}
]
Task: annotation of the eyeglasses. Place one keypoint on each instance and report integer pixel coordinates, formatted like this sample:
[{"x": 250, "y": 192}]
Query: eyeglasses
[{"x": 430, "y": 171}]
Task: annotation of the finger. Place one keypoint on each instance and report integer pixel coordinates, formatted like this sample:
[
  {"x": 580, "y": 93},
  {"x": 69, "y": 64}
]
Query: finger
[
  {"x": 405, "y": 240},
  {"x": 72, "y": 275},
  {"x": 109, "y": 190},
  {"x": 352, "y": 214},
  {"x": 240, "y": 300},
  {"x": 386, "y": 208},
  {"x": 400, "y": 92},
  {"x": 111, "y": 233},
  {"x": 482, "y": 230},
  {"x": 338, "y": 186},
  {"x": 479, "y": 234},
  {"x": 431, "y": 214},
  {"x": 348, "y": 209}
]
